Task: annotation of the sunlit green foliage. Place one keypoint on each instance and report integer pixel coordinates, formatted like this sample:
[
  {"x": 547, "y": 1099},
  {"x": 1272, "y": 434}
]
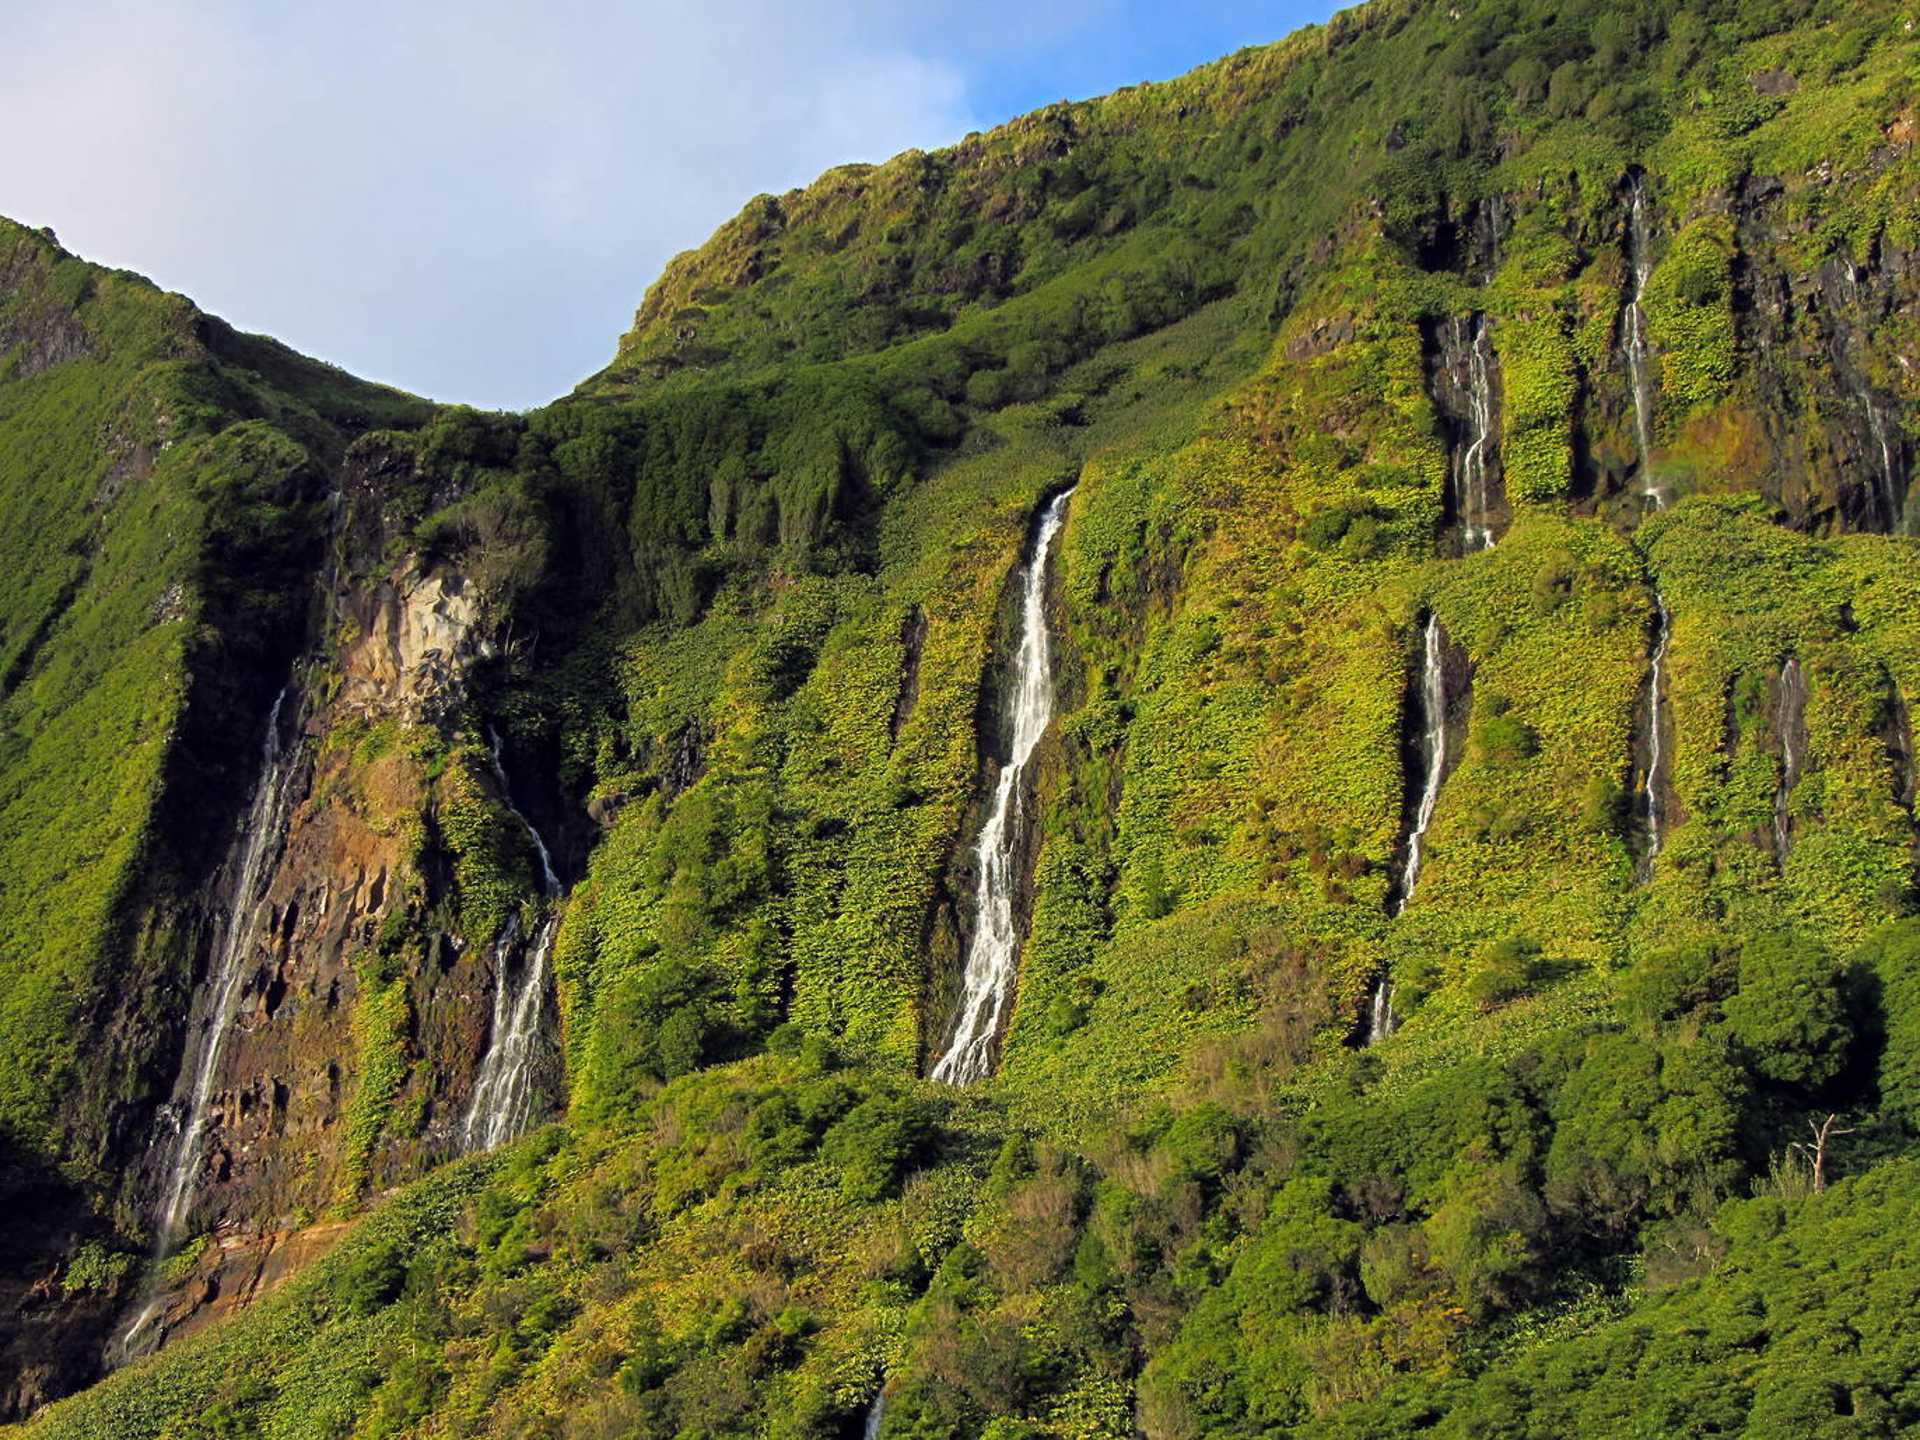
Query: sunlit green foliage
[{"x": 766, "y": 558}]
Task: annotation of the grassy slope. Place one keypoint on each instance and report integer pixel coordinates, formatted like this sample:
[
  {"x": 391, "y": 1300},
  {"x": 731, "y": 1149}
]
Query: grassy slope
[{"x": 829, "y": 418}]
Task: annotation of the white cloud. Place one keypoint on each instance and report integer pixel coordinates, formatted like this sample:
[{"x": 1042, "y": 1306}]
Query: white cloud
[{"x": 468, "y": 200}]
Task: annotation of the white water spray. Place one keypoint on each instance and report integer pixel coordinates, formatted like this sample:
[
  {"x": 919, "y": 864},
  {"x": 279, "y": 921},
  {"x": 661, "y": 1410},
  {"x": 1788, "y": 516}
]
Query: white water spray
[
  {"x": 1383, "y": 1022},
  {"x": 994, "y": 953},
  {"x": 1639, "y": 349},
  {"x": 1656, "y": 749},
  {"x": 1889, "y": 465},
  {"x": 1433, "y": 747},
  {"x": 1639, "y": 353},
  {"x": 249, "y": 870},
  {"x": 1473, "y": 489},
  {"x": 258, "y": 843},
  {"x": 143, "y": 1336},
  {"x": 506, "y": 1091}
]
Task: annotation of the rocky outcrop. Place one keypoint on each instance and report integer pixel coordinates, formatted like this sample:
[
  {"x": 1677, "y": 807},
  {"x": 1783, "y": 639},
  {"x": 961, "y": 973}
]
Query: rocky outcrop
[
  {"x": 1826, "y": 371},
  {"x": 39, "y": 329},
  {"x": 417, "y": 633},
  {"x": 350, "y": 865},
  {"x": 234, "y": 1268}
]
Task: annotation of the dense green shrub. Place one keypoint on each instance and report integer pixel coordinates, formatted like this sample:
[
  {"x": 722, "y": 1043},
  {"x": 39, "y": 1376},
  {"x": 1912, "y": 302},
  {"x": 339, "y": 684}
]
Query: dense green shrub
[
  {"x": 660, "y": 1021},
  {"x": 1788, "y": 1014},
  {"x": 1508, "y": 969},
  {"x": 876, "y": 1142},
  {"x": 1891, "y": 961}
]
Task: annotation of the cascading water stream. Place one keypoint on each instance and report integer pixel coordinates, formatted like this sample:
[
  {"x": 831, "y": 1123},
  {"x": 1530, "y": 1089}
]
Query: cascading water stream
[
  {"x": 1877, "y": 426},
  {"x": 1633, "y": 333},
  {"x": 506, "y": 1091},
  {"x": 1382, "y": 1022},
  {"x": 1433, "y": 751},
  {"x": 1473, "y": 485},
  {"x": 1639, "y": 355},
  {"x": 1790, "y": 721},
  {"x": 258, "y": 843},
  {"x": 1889, "y": 464},
  {"x": 249, "y": 868},
  {"x": 1650, "y": 800},
  {"x": 876, "y": 1416},
  {"x": 993, "y": 954}
]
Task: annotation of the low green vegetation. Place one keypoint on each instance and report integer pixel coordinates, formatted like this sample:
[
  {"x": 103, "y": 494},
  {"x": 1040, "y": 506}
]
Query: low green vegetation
[{"x": 1636, "y": 1154}]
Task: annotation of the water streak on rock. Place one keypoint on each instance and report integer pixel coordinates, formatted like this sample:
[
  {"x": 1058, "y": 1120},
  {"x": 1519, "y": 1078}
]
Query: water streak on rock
[
  {"x": 1433, "y": 752},
  {"x": 1652, "y": 797},
  {"x": 993, "y": 953},
  {"x": 1790, "y": 722},
  {"x": 250, "y": 868},
  {"x": 509, "y": 1089},
  {"x": 1634, "y": 341},
  {"x": 1383, "y": 1022}
]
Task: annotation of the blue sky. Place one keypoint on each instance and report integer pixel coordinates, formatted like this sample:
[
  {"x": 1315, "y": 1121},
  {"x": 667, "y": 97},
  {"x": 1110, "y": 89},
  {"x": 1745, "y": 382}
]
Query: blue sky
[{"x": 469, "y": 199}]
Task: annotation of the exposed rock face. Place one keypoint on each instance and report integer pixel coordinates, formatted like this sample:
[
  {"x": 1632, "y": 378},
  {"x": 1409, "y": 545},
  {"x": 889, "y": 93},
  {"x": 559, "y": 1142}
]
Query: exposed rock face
[
  {"x": 1822, "y": 374},
  {"x": 417, "y": 635},
  {"x": 275, "y": 1141},
  {"x": 285, "y": 1078},
  {"x": 40, "y": 333},
  {"x": 237, "y": 1267}
]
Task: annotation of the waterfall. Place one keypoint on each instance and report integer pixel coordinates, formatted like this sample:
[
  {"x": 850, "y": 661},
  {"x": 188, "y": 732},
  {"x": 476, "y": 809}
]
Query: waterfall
[
  {"x": 1889, "y": 463},
  {"x": 249, "y": 870},
  {"x": 1633, "y": 331},
  {"x": 1639, "y": 354},
  {"x": 1433, "y": 751},
  {"x": 876, "y": 1414},
  {"x": 251, "y": 867},
  {"x": 1383, "y": 1022},
  {"x": 1790, "y": 721},
  {"x": 1855, "y": 377},
  {"x": 1472, "y": 486},
  {"x": 993, "y": 953},
  {"x": 143, "y": 1336},
  {"x": 1462, "y": 374},
  {"x": 1656, "y": 749},
  {"x": 507, "y": 1088}
]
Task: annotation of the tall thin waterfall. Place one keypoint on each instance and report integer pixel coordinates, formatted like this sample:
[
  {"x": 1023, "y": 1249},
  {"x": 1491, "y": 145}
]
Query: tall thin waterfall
[
  {"x": 251, "y": 869},
  {"x": 1639, "y": 353},
  {"x": 1854, "y": 376},
  {"x": 1382, "y": 1022},
  {"x": 1633, "y": 334},
  {"x": 993, "y": 954},
  {"x": 1473, "y": 488},
  {"x": 1790, "y": 720},
  {"x": 876, "y": 1416},
  {"x": 507, "y": 1090},
  {"x": 1656, "y": 781},
  {"x": 1889, "y": 463},
  {"x": 1433, "y": 751},
  {"x": 248, "y": 871}
]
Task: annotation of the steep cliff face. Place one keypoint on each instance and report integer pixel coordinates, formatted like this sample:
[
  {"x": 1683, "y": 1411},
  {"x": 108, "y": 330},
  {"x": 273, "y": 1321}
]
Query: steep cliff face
[
  {"x": 1489, "y": 435},
  {"x": 358, "y": 920},
  {"x": 165, "y": 485}
]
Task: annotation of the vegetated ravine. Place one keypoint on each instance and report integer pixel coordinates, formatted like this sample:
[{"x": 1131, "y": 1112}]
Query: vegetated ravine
[{"x": 1233, "y": 760}]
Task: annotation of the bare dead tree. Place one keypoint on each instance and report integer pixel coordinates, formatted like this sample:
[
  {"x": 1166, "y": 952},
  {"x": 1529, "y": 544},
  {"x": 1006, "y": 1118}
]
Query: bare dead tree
[{"x": 1823, "y": 1133}]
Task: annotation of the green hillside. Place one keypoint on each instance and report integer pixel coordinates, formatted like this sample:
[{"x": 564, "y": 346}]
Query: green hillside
[{"x": 1286, "y": 1135}]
